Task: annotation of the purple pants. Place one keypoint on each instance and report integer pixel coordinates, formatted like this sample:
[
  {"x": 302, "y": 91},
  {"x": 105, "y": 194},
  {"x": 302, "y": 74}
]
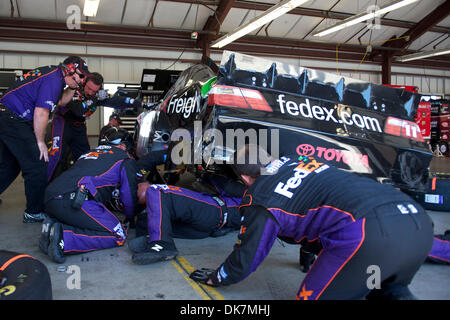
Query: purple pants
[
  {"x": 174, "y": 211},
  {"x": 440, "y": 250},
  {"x": 93, "y": 227}
]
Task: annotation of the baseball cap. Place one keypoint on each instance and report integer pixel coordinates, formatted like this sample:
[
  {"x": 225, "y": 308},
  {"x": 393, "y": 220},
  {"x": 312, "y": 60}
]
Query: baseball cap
[{"x": 117, "y": 117}]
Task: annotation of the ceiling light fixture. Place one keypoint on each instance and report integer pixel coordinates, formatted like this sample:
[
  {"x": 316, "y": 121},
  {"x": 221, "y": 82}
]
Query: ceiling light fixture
[
  {"x": 422, "y": 55},
  {"x": 90, "y": 7},
  {"x": 363, "y": 16},
  {"x": 267, "y": 16}
]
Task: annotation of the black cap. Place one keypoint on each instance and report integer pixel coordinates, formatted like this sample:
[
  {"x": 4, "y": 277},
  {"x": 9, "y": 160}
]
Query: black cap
[{"x": 117, "y": 117}]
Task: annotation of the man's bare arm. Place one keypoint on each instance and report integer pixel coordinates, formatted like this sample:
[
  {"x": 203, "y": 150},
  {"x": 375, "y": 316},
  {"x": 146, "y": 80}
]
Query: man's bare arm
[
  {"x": 66, "y": 97},
  {"x": 40, "y": 120}
]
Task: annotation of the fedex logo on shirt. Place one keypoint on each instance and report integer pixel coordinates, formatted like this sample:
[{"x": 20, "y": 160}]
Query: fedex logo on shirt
[
  {"x": 51, "y": 104},
  {"x": 273, "y": 167},
  {"x": 25, "y": 113},
  {"x": 305, "y": 167}
]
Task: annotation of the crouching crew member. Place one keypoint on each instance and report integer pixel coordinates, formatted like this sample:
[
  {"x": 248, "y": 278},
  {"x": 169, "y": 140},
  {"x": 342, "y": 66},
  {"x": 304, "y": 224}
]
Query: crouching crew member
[
  {"x": 359, "y": 222},
  {"x": 75, "y": 201},
  {"x": 178, "y": 212}
]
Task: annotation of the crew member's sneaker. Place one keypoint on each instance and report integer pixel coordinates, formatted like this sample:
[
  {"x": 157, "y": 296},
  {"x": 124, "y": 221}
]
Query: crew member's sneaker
[
  {"x": 56, "y": 245},
  {"x": 33, "y": 217},
  {"x": 156, "y": 251},
  {"x": 44, "y": 240},
  {"x": 138, "y": 244}
]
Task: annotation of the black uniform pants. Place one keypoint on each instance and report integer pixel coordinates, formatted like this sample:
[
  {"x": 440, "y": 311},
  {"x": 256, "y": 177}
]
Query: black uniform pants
[
  {"x": 19, "y": 152},
  {"x": 92, "y": 227},
  {"x": 391, "y": 251},
  {"x": 76, "y": 137},
  {"x": 182, "y": 213}
]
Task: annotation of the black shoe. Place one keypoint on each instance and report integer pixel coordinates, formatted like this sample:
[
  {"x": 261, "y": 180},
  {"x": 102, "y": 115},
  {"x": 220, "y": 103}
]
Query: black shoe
[
  {"x": 306, "y": 260},
  {"x": 139, "y": 244},
  {"x": 44, "y": 240},
  {"x": 33, "y": 217},
  {"x": 56, "y": 245},
  {"x": 156, "y": 251}
]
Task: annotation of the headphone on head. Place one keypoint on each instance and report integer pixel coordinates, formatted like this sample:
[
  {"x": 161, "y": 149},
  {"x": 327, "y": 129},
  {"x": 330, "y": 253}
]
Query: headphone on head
[
  {"x": 116, "y": 136},
  {"x": 73, "y": 63}
]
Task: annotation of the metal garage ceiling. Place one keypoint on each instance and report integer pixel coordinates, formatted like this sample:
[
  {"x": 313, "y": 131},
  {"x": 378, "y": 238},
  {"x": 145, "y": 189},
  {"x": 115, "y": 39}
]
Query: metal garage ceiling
[{"x": 421, "y": 26}]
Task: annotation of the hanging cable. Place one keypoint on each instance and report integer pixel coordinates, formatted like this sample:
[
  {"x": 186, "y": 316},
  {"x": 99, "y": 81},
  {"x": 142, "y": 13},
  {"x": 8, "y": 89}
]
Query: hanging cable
[{"x": 175, "y": 60}]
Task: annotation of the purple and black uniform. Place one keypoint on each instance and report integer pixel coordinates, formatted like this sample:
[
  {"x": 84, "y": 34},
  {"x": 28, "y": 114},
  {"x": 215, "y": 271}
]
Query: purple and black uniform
[
  {"x": 69, "y": 126},
  {"x": 93, "y": 226},
  {"x": 440, "y": 252},
  {"x": 182, "y": 213},
  {"x": 359, "y": 223},
  {"x": 40, "y": 88}
]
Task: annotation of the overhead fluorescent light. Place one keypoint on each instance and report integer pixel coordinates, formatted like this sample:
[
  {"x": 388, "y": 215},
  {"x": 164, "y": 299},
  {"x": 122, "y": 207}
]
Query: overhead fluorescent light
[
  {"x": 363, "y": 16},
  {"x": 267, "y": 16},
  {"x": 422, "y": 55},
  {"x": 90, "y": 7}
]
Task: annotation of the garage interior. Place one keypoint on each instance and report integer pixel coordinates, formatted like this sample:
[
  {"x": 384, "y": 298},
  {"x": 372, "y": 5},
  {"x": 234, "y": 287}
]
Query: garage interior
[{"x": 127, "y": 40}]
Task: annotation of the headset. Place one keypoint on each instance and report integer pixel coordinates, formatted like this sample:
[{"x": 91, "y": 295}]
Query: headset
[{"x": 74, "y": 63}]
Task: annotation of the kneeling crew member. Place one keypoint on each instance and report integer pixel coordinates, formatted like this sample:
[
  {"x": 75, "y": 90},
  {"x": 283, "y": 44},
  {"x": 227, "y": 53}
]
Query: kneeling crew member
[
  {"x": 182, "y": 213},
  {"x": 76, "y": 200},
  {"x": 359, "y": 222}
]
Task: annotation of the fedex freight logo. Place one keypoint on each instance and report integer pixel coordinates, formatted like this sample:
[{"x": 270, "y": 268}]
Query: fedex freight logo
[
  {"x": 308, "y": 111},
  {"x": 344, "y": 156},
  {"x": 184, "y": 104}
]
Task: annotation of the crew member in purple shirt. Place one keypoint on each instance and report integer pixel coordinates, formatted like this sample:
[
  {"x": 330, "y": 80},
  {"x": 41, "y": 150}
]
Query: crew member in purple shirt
[
  {"x": 374, "y": 238},
  {"x": 75, "y": 201},
  {"x": 24, "y": 112}
]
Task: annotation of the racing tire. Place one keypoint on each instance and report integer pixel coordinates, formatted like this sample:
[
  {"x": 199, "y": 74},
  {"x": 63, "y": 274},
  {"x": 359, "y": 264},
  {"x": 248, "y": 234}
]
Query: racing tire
[
  {"x": 437, "y": 196},
  {"x": 23, "y": 277}
]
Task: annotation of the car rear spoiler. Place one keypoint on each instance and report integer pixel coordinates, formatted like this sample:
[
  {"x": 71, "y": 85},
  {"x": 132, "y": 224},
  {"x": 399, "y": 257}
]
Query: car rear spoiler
[{"x": 241, "y": 70}]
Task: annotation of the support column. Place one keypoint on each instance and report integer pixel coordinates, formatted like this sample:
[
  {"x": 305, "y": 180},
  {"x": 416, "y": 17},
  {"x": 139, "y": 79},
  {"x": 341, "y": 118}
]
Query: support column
[{"x": 386, "y": 69}]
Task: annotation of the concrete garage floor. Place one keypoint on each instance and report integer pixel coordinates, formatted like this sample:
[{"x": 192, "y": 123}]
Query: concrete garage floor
[{"x": 110, "y": 274}]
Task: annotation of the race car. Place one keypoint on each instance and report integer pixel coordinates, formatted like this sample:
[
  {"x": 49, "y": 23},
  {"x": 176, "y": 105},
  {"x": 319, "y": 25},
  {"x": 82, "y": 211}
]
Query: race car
[{"x": 357, "y": 126}]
